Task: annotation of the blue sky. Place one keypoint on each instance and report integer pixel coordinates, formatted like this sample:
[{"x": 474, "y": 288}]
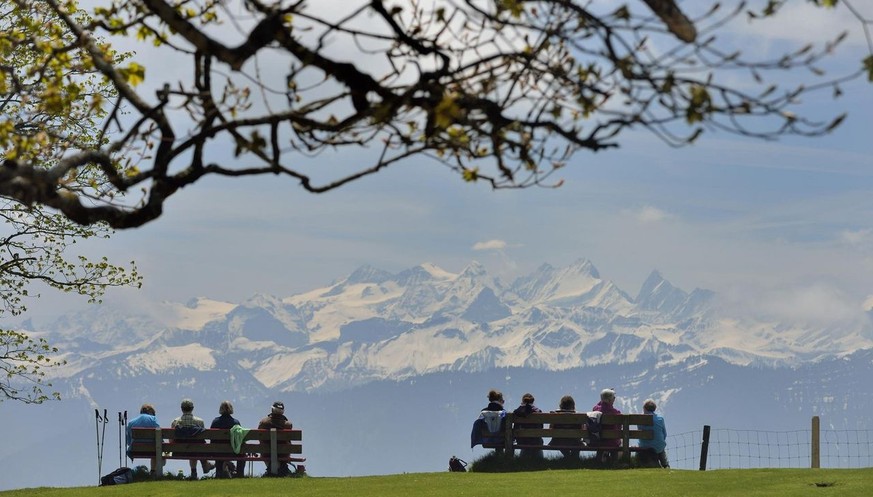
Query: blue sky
[{"x": 778, "y": 226}]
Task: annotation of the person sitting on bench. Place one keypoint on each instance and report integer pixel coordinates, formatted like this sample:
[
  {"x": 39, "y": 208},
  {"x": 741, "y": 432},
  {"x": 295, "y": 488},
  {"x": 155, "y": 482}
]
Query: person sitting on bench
[{"x": 188, "y": 425}]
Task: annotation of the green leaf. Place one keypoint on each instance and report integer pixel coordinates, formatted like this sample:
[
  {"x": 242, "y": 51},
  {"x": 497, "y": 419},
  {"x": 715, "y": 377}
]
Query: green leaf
[{"x": 471, "y": 175}]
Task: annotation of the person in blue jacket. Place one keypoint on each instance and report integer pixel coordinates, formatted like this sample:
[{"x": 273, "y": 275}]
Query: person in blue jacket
[
  {"x": 656, "y": 454},
  {"x": 491, "y": 421},
  {"x": 146, "y": 419}
]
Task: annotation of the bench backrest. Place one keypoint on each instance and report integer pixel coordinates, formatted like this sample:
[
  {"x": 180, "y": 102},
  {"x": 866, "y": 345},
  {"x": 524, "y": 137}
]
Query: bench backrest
[
  {"x": 563, "y": 425},
  {"x": 624, "y": 427},
  {"x": 149, "y": 440}
]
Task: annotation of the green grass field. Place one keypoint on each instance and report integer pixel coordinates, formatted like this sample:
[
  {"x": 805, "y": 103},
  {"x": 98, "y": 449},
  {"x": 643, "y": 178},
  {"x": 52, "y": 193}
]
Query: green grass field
[{"x": 636, "y": 482}]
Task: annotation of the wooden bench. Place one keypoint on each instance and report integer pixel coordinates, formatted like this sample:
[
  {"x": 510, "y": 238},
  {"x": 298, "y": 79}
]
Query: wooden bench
[
  {"x": 515, "y": 429},
  {"x": 269, "y": 446}
]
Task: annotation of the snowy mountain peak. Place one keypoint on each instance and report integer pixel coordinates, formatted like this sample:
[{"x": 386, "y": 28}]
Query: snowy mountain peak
[
  {"x": 368, "y": 274},
  {"x": 549, "y": 284},
  {"x": 413, "y": 276},
  {"x": 195, "y": 313},
  {"x": 263, "y": 300},
  {"x": 437, "y": 272},
  {"x": 584, "y": 266},
  {"x": 473, "y": 270},
  {"x": 654, "y": 284},
  {"x": 657, "y": 294}
]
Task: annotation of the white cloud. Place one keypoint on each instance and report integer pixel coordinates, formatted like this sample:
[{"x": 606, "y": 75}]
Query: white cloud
[
  {"x": 862, "y": 238},
  {"x": 649, "y": 214},
  {"x": 490, "y": 245},
  {"x": 818, "y": 304}
]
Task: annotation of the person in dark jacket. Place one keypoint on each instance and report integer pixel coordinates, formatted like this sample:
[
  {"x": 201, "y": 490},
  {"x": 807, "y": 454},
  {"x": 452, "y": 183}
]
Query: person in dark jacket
[
  {"x": 495, "y": 401},
  {"x": 226, "y": 421},
  {"x": 527, "y": 408},
  {"x": 567, "y": 406},
  {"x": 276, "y": 419}
]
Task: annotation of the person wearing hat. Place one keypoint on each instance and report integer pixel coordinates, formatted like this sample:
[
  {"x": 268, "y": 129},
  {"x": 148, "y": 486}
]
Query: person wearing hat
[
  {"x": 187, "y": 425},
  {"x": 656, "y": 453},
  {"x": 276, "y": 419},
  {"x": 605, "y": 406}
]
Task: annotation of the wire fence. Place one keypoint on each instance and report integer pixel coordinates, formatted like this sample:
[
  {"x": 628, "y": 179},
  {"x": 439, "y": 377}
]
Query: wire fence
[{"x": 739, "y": 449}]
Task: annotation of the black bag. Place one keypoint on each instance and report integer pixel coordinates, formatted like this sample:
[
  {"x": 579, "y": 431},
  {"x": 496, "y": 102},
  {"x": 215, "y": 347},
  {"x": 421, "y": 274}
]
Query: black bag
[
  {"x": 456, "y": 464},
  {"x": 594, "y": 429},
  {"x": 117, "y": 477}
]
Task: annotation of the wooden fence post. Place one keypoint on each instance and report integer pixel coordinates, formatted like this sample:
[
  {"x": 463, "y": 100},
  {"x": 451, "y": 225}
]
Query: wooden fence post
[
  {"x": 815, "y": 455},
  {"x": 704, "y": 448}
]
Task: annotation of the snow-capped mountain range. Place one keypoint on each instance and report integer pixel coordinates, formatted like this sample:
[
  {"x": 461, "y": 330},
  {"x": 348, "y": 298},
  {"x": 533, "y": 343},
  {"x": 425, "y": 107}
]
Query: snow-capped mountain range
[
  {"x": 375, "y": 325},
  {"x": 376, "y": 343}
]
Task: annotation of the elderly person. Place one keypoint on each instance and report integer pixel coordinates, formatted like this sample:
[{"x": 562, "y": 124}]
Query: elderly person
[
  {"x": 186, "y": 426},
  {"x": 226, "y": 421},
  {"x": 605, "y": 406},
  {"x": 655, "y": 454}
]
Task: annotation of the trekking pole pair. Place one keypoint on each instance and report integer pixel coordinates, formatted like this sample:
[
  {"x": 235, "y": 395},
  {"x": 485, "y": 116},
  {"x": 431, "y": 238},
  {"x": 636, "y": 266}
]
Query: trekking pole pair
[
  {"x": 122, "y": 432},
  {"x": 100, "y": 439}
]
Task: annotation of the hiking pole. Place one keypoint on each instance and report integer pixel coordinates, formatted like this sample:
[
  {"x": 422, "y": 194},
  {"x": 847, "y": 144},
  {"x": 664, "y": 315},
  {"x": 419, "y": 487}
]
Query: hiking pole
[
  {"x": 125, "y": 435},
  {"x": 99, "y": 462},
  {"x": 119, "y": 439},
  {"x": 103, "y": 439}
]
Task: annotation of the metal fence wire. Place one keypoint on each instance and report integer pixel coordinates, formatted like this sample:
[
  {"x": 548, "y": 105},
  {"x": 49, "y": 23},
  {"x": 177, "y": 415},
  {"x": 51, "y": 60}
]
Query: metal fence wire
[{"x": 740, "y": 449}]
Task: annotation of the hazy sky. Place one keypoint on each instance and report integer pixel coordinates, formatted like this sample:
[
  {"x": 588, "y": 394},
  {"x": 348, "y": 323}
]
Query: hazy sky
[{"x": 787, "y": 225}]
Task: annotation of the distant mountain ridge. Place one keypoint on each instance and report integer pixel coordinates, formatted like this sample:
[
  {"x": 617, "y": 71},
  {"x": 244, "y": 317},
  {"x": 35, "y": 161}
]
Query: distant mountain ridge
[
  {"x": 380, "y": 342},
  {"x": 375, "y": 325}
]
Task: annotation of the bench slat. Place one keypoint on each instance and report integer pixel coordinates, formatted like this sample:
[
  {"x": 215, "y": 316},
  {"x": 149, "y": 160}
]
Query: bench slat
[
  {"x": 219, "y": 434},
  {"x": 633, "y": 419},
  {"x": 183, "y": 448}
]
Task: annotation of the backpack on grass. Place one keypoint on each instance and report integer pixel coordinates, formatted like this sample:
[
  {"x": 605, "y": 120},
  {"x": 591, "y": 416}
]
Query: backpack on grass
[
  {"x": 458, "y": 465},
  {"x": 117, "y": 477}
]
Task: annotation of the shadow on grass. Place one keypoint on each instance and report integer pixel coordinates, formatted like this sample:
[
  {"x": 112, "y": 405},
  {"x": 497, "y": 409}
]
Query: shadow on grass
[{"x": 494, "y": 462}]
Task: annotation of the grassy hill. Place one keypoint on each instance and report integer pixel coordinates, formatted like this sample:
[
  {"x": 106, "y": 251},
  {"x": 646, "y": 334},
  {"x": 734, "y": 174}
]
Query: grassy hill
[{"x": 637, "y": 483}]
